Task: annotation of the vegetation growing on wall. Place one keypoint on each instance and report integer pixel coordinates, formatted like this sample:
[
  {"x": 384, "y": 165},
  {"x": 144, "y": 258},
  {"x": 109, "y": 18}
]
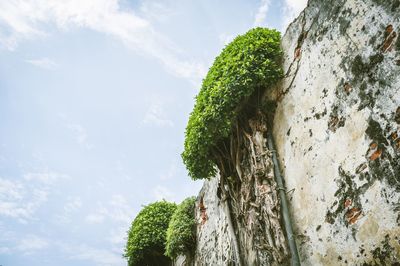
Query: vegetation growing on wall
[
  {"x": 181, "y": 235},
  {"x": 147, "y": 235},
  {"x": 249, "y": 64}
]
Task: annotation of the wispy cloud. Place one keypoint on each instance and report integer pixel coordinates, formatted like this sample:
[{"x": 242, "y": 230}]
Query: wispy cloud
[
  {"x": 155, "y": 115},
  {"x": 225, "y": 38},
  {"x": 118, "y": 236},
  {"x": 156, "y": 10},
  {"x": 72, "y": 205},
  {"x": 44, "y": 63},
  {"x": 46, "y": 177},
  {"x": 31, "y": 244},
  {"x": 261, "y": 14},
  {"x": 101, "y": 257},
  {"x": 80, "y": 134},
  {"x": 20, "y": 199},
  {"x": 21, "y": 20},
  {"x": 292, "y": 9},
  {"x": 163, "y": 193},
  {"x": 95, "y": 218},
  {"x": 79, "y": 131},
  {"x": 171, "y": 172},
  {"x": 117, "y": 210}
]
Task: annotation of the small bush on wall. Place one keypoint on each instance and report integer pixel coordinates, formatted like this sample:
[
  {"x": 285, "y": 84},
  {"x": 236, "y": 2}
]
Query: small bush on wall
[
  {"x": 250, "y": 62},
  {"x": 181, "y": 235},
  {"x": 147, "y": 235}
]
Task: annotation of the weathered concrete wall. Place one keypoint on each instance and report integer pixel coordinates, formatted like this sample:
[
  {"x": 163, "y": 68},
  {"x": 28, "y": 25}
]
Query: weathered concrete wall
[
  {"x": 214, "y": 242},
  {"x": 337, "y": 128}
]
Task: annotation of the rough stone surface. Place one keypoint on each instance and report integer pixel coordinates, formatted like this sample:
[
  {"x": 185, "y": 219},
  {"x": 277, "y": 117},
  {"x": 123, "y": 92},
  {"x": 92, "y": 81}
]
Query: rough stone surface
[
  {"x": 214, "y": 242},
  {"x": 337, "y": 132}
]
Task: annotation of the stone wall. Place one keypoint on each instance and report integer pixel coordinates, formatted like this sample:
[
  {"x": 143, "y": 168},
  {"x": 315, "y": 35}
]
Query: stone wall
[
  {"x": 337, "y": 128},
  {"x": 337, "y": 132}
]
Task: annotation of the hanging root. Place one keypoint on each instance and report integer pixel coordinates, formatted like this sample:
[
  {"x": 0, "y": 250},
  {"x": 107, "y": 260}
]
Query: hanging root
[{"x": 252, "y": 201}]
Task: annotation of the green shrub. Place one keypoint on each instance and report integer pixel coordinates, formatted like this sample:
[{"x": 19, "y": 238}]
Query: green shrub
[
  {"x": 181, "y": 234},
  {"x": 250, "y": 62},
  {"x": 147, "y": 235}
]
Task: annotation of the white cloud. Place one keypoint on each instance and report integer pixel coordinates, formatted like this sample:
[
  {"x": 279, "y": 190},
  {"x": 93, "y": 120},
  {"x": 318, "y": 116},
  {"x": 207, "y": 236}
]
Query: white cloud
[
  {"x": 72, "y": 205},
  {"x": 94, "y": 218},
  {"x": 163, "y": 193},
  {"x": 291, "y": 10},
  {"x": 20, "y": 199},
  {"x": 156, "y": 10},
  {"x": 155, "y": 115},
  {"x": 45, "y": 177},
  {"x": 117, "y": 210},
  {"x": 26, "y": 19},
  {"x": 78, "y": 131},
  {"x": 118, "y": 236},
  {"x": 101, "y": 257},
  {"x": 225, "y": 38},
  {"x": 80, "y": 134},
  {"x": 10, "y": 189},
  {"x": 31, "y": 244},
  {"x": 261, "y": 14},
  {"x": 120, "y": 210},
  {"x": 44, "y": 63},
  {"x": 171, "y": 172}
]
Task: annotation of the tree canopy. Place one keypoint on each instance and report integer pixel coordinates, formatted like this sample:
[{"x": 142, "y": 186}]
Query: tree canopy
[
  {"x": 181, "y": 234},
  {"x": 147, "y": 235},
  {"x": 251, "y": 61}
]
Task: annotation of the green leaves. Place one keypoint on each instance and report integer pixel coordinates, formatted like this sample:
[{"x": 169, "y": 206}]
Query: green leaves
[
  {"x": 147, "y": 235},
  {"x": 250, "y": 61},
  {"x": 181, "y": 235},
  {"x": 161, "y": 229}
]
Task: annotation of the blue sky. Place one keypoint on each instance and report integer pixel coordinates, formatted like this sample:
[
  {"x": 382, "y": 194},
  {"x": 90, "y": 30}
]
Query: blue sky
[{"x": 94, "y": 100}]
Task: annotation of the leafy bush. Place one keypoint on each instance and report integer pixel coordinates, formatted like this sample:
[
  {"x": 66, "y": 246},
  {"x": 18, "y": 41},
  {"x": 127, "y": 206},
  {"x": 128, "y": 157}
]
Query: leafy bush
[
  {"x": 249, "y": 63},
  {"x": 147, "y": 235},
  {"x": 181, "y": 236}
]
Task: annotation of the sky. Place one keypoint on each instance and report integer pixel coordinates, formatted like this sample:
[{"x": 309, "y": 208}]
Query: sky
[{"x": 94, "y": 100}]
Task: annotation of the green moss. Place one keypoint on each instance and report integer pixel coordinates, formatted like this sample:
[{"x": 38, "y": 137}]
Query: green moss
[
  {"x": 384, "y": 253},
  {"x": 366, "y": 97},
  {"x": 375, "y": 132},
  {"x": 361, "y": 69},
  {"x": 387, "y": 167},
  {"x": 391, "y": 6},
  {"x": 347, "y": 190},
  {"x": 181, "y": 235},
  {"x": 374, "y": 60},
  {"x": 249, "y": 64},
  {"x": 358, "y": 68},
  {"x": 343, "y": 25},
  {"x": 372, "y": 41},
  {"x": 147, "y": 235},
  {"x": 395, "y": 5}
]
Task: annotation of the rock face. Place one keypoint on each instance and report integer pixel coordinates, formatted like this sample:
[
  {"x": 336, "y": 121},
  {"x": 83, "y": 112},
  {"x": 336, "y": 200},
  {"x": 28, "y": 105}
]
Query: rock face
[
  {"x": 337, "y": 134},
  {"x": 337, "y": 128},
  {"x": 214, "y": 239}
]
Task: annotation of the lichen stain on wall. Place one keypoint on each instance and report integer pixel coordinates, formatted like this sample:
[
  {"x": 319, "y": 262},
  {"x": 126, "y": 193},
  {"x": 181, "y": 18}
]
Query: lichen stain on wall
[{"x": 336, "y": 131}]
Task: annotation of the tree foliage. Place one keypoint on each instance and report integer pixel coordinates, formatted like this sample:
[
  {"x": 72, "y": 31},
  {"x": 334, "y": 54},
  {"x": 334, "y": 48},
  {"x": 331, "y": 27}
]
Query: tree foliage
[
  {"x": 181, "y": 237},
  {"x": 147, "y": 235},
  {"x": 249, "y": 63}
]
